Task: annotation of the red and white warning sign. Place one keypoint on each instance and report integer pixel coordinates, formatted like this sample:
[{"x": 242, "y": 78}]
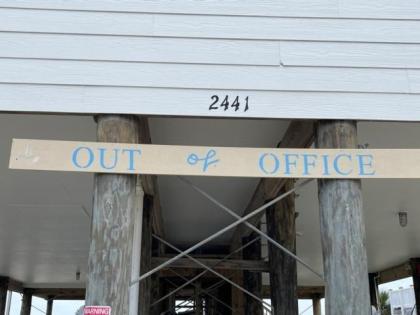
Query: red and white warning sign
[{"x": 97, "y": 310}]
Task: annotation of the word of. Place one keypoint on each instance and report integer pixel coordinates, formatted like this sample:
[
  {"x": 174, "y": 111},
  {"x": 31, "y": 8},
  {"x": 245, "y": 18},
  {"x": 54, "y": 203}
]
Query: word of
[
  {"x": 86, "y": 157},
  {"x": 225, "y": 105},
  {"x": 97, "y": 310},
  {"x": 305, "y": 164},
  {"x": 206, "y": 161}
]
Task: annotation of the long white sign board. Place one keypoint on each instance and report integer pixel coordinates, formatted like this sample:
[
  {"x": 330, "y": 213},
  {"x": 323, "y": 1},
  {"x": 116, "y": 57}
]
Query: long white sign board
[{"x": 213, "y": 161}]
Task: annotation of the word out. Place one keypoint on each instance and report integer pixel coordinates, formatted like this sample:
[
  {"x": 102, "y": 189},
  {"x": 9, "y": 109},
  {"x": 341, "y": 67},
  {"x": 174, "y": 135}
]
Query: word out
[
  {"x": 300, "y": 165},
  {"x": 224, "y": 103},
  {"x": 85, "y": 157}
]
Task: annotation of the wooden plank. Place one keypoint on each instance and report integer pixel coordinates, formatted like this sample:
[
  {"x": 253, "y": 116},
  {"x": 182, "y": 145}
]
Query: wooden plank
[
  {"x": 231, "y": 264},
  {"x": 415, "y": 267},
  {"x": 334, "y": 54},
  {"x": 194, "y": 102},
  {"x": 216, "y": 77},
  {"x": 303, "y": 292},
  {"x": 281, "y": 227},
  {"x": 207, "y": 26},
  {"x": 392, "y": 9},
  {"x": 138, "y": 49},
  {"x": 60, "y": 293},
  {"x": 120, "y": 158},
  {"x": 112, "y": 228},
  {"x": 343, "y": 237},
  {"x": 50, "y": 303}
]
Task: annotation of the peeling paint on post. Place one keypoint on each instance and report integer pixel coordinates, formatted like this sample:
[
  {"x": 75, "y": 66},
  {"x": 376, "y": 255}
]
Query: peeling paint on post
[
  {"x": 110, "y": 255},
  {"x": 342, "y": 230}
]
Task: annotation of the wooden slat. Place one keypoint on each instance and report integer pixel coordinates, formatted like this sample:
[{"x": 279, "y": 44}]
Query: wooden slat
[
  {"x": 299, "y": 134},
  {"x": 182, "y": 76},
  {"x": 333, "y": 54},
  {"x": 193, "y": 102},
  {"x": 303, "y": 292},
  {"x": 231, "y": 264},
  {"x": 393, "y": 9},
  {"x": 205, "y": 26},
  {"x": 138, "y": 49}
]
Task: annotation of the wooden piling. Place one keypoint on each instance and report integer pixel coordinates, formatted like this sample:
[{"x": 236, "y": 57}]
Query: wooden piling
[
  {"x": 316, "y": 305},
  {"x": 146, "y": 257},
  {"x": 342, "y": 230},
  {"x": 415, "y": 268},
  {"x": 252, "y": 280},
  {"x": 50, "y": 302},
  {"x": 373, "y": 289},
  {"x": 26, "y": 302},
  {"x": 4, "y": 286},
  {"x": 112, "y": 227},
  {"x": 283, "y": 269}
]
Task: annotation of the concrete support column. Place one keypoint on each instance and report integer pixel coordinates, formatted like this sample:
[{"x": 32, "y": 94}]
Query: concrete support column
[
  {"x": 342, "y": 229},
  {"x": 4, "y": 286},
  {"x": 281, "y": 219},
  {"x": 252, "y": 280},
  {"x": 415, "y": 268},
  {"x": 26, "y": 302},
  {"x": 112, "y": 229}
]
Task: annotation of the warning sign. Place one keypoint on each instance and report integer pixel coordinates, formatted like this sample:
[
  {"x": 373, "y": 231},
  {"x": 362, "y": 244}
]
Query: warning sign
[{"x": 97, "y": 310}]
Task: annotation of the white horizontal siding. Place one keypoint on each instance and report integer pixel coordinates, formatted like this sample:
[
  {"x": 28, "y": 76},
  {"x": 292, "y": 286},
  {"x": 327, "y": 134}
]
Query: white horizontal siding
[
  {"x": 204, "y": 76},
  {"x": 141, "y": 49},
  {"x": 196, "y": 26},
  {"x": 327, "y": 54},
  {"x": 185, "y": 102},
  {"x": 392, "y": 9}
]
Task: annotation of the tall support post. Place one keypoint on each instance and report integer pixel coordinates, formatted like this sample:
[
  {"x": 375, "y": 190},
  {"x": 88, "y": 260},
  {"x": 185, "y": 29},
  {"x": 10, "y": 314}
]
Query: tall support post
[
  {"x": 4, "y": 286},
  {"x": 342, "y": 228},
  {"x": 146, "y": 257},
  {"x": 373, "y": 289},
  {"x": 281, "y": 219},
  {"x": 50, "y": 302},
  {"x": 415, "y": 268},
  {"x": 198, "y": 303},
  {"x": 252, "y": 280},
  {"x": 316, "y": 305},
  {"x": 26, "y": 302},
  {"x": 112, "y": 228}
]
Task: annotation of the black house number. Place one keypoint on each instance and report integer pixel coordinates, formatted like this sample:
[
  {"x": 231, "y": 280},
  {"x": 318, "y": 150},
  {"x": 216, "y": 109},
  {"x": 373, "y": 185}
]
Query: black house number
[{"x": 226, "y": 103}]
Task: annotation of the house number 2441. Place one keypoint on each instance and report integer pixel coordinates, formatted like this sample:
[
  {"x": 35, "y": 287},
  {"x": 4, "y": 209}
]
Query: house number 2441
[{"x": 226, "y": 103}]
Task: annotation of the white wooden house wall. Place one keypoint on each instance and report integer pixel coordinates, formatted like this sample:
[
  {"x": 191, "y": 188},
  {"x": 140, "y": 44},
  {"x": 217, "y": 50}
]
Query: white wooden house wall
[{"x": 352, "y": 59}]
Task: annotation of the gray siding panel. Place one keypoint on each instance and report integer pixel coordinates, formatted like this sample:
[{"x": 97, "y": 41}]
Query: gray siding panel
[{"x": 138, "y": 49}]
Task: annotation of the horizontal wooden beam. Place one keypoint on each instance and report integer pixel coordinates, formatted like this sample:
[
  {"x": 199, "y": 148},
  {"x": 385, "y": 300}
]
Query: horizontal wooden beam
[
  {"x": 231, "y": 264},
  {"x": 395, "y": 273},
  {"x": 304, "y": 292},
  {"x": 59, "y": 293}
]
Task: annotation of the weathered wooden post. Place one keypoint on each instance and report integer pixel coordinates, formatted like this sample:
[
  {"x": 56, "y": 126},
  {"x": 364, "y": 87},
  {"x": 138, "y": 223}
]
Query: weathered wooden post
[
  {"x": 342, "y": 230},
  {"x": 26, "y": 302},
  {"x": 316, "y": 305},
  {"x": 198, "y": 304},
  {"x": 281, "y": 219},
  {"x": 252, "y": 280},
  {"x": 146, "y": 257},
  {"x": 4, "y": 286},
  {"x": 112, "y": 228},
  {"x": 373, "y": 289},
  {"x": 415, "y": 268},
  {"x": 50, "y": 302}
]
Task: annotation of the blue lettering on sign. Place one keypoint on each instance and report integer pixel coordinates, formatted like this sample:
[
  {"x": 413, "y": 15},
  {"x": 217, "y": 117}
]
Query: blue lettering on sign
[
  {"x": 307, "y": 163},
  {"x": 365, "y": 160},
  {"x": 263, "y": 160},
  {"x": 288, "y": 162},
  {"x": 131, "y": 166},
  {"x": 75, "y": 155},
  {"x": 336, "y": 164},
  {"x": 207, "y": 160},
  {"x": 102, "y": 159}
]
